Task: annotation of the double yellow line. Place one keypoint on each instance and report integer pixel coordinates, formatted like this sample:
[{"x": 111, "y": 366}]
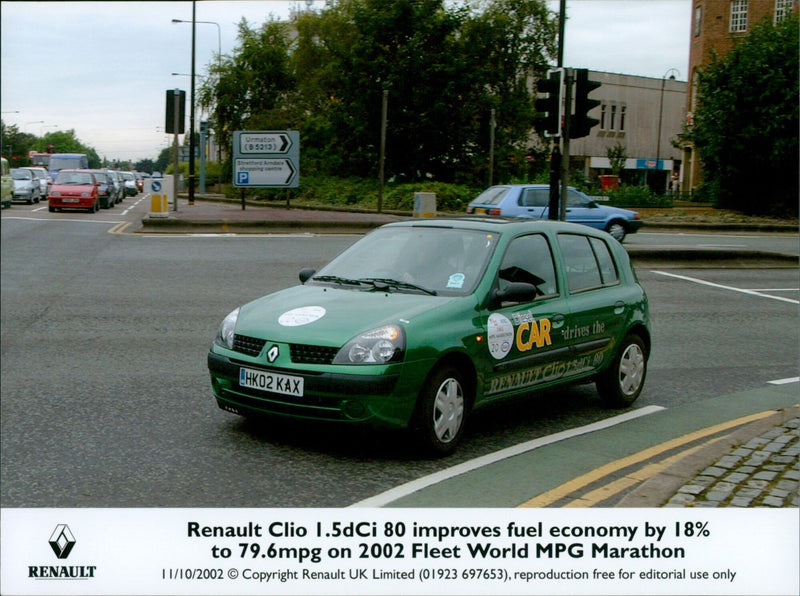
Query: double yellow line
[{"x": 607, "y": 491}]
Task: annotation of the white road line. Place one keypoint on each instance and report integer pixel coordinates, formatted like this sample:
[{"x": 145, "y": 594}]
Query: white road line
[
  {"x": 723, "y": 287},
  {"x": 784, "y": 381},
  {"x": 485, "y": 460}
]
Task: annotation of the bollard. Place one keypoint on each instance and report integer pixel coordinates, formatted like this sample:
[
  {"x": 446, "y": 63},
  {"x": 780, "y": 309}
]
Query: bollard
[{"x": 424, "y": 204}]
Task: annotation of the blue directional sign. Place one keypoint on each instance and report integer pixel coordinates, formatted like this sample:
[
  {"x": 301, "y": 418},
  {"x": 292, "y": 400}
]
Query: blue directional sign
[{"x": 266, "y": 159}]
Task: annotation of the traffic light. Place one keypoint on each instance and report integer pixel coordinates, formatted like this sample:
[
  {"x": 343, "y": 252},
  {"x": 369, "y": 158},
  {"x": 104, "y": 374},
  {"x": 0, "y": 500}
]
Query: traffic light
[
  {"x": 549, "y": 111},
  {"x": 173, "y": 97},
  {"x": 581, "y": 123}
]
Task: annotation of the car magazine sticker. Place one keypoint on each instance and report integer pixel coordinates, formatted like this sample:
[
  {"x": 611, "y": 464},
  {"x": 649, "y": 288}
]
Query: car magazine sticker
[
  {"x": 501, "y": 335},
  {"x": 301, "y": 316}
]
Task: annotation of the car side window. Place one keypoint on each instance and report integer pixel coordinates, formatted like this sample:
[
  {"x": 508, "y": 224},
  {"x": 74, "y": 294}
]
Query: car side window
[
  {"x": 530, "y": 260},
  {"x": 534, "y": 197},
  {"x": 575, "y": 200},
  {"x": 608, "y": 269},
  {"x": 588, "y": 262}
]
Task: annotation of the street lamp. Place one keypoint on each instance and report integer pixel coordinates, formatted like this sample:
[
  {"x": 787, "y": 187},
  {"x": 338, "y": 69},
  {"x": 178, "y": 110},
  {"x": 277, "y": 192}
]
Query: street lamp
[
  {"x": 191, "y": 100},
  {"x": 672, "y": 72}
]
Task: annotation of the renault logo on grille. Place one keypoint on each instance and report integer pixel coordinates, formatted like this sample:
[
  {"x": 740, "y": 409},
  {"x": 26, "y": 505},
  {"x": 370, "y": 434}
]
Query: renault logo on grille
[
  {"x": 62, "y": 541},
  {"x": 272, "y": 355}
]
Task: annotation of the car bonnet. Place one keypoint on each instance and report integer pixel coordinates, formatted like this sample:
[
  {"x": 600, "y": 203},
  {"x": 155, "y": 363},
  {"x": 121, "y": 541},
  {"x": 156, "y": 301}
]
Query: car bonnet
[{"x": 329, "y": 316}]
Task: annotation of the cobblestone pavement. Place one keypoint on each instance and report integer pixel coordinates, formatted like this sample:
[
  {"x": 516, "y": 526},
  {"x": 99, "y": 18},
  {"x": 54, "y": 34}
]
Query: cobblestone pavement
[{"x": 763, "y": 472}]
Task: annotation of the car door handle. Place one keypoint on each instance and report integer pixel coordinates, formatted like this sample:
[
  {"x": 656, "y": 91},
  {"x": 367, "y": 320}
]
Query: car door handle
[
  {"x": 557, "y": 321},
  {"x": 619, "y": 307}
]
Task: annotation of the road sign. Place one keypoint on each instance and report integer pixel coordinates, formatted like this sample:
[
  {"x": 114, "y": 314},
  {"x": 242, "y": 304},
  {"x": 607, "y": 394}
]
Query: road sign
[
  {"x": 264, "y": 142},
  {"x": 266, "y": 159},
  {"x": 258, "y": 172}
]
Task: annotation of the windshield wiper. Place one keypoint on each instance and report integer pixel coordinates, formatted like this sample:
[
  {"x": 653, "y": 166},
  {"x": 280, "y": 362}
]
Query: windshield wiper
[
  {"x": 381, "y": 283},
  {"x": 339, "y": 280}
]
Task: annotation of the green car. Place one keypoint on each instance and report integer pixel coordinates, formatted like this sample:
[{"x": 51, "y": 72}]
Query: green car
[{"x": 420, "y": 323}]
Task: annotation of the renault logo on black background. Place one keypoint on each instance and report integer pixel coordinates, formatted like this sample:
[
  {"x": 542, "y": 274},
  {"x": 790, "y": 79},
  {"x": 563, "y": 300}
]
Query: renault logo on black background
[{"x": 62, "y": 541}]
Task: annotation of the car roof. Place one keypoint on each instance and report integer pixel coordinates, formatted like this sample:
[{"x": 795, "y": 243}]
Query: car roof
[{"x": 496, "y": 224}]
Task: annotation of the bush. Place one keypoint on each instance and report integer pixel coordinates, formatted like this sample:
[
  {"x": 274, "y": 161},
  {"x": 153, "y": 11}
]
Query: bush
[{"x": 637, "y": 196}]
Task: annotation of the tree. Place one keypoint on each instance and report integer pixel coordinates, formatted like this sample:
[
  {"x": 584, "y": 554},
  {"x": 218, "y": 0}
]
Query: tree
[
  {"x": 746, "y": 123},
  {"x": 444, "y": 68}
]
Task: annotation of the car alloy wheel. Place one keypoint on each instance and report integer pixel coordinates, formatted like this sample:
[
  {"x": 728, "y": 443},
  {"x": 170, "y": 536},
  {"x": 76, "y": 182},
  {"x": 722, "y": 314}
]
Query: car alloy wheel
[
  {"x": 622, "y": 383},
  {"x": 442, "y": 411},
  {"x": 616, "y": 230}
]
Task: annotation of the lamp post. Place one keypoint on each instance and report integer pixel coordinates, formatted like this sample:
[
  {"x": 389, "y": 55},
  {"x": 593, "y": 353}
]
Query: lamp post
[
  {"x": 671, "y": 72},
  {"x": 191, "y": 117}
]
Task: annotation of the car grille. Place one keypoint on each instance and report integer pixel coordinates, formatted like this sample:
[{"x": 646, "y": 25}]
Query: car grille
[
  {"x": 302, "y": 354},
  {"x": 248, "y": 345}
]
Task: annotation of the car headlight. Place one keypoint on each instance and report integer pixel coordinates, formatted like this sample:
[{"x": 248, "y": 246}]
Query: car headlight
[
  {"x": 377, "y": 346},
  {"x": 225, "y": 335},
  {"x": 55, "y": 193}
]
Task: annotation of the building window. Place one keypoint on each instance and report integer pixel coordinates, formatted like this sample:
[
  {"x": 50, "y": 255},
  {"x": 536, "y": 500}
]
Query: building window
[
  {"x": 603, "y": 115},
  {"x": 622, "y": 117},
  {"x": 698, "y": 20},
  {"x": 783, "y": 8},
  {"x": 612, "y": 125},
  {"x": 738, "y": 16}
]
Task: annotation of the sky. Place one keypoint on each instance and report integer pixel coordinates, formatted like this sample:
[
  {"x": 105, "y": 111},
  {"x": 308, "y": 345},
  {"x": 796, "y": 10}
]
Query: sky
[{"x": 102, "y": 69}]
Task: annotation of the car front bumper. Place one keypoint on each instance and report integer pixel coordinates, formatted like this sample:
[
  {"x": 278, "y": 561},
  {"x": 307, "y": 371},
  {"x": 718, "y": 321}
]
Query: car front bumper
[{"x": 379, "y": 399}]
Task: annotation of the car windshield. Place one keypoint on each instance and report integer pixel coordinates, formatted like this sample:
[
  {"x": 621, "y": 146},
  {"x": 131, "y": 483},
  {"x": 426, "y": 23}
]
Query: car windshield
[
  {"x": 491, "y": 196},
  {"x": 20, "y": 175},
  {"x": 432, "y": 260},
  {"x": 73, "y": 178}
]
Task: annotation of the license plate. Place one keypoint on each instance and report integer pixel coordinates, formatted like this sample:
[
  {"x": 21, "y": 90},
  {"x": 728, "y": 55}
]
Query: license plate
[
  {"x": 480, "y": 210},
  {"x": 71, "y": 200},
  {"x": 271, "y": 382}
]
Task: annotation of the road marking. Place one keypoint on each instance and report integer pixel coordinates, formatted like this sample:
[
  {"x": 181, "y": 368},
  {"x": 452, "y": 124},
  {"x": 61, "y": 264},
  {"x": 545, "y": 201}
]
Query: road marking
[
  {"x": 784, "y": 381},
  {"x": 98, "y": 221},
  {"x": 485, "y": 460},
  {"x": 560, "y": 492},
  {"x": 723, "y": 287}
]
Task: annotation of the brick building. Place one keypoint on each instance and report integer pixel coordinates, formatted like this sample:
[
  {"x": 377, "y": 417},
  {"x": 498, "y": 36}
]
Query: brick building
[{"x": 716, "y": 25}]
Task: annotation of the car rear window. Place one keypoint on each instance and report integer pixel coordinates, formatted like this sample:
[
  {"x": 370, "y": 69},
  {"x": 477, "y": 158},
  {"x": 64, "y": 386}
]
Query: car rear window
[
  {"x": 491, "y": 196},
  {"x": 588, "y": 262}
]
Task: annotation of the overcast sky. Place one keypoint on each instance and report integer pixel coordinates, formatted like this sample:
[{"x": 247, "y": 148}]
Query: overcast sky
[{"x": 102, "y": 68}]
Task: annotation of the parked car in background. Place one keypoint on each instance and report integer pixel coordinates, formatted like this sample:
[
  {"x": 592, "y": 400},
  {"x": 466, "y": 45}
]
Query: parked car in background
[
  {"x": 129, "y": 182},
  {"x": 6, "y": 184},
  {"x": 532, "y": 201},
  {"x": 74, "y": 189},
  {"x": 105, "y": 189},
  {"x": 421, "y": 323},
  {"x": 44, "y": 180},
  {"x": 26, "y": 186},
  {"x": 119, "y": 185}
]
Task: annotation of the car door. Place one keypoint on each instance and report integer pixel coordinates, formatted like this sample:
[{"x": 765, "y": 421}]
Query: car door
[
  {"x": 526, "y": 343},
  {"x": 534, "y": 202},
  {"x": 581, "y": 209},
  {"x": 597, "y": 299}
]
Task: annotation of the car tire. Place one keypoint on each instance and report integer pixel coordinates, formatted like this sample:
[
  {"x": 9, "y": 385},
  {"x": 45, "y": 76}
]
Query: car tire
[
  {"x": 617, "y": 230},
  {"x": 441, "y": 411},
  {"x": 621, "y": 384}
]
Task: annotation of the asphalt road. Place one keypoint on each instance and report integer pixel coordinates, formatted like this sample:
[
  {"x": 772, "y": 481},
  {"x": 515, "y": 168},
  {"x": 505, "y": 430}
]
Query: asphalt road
[{"x": 105, "y": 399}]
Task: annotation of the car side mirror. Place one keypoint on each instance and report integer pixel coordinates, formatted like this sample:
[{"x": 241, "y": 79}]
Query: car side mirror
[
  {"x": 306, "y": 274},
  {"x": 514, "y": 292}
]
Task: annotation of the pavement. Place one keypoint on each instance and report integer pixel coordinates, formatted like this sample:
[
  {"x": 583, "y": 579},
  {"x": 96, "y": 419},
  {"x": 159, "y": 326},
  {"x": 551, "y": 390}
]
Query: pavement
[{"x": 749, "y": 461}]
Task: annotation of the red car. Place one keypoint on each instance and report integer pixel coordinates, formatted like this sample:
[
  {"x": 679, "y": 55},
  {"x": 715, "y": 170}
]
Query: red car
[{"x": 75, "y": 189}]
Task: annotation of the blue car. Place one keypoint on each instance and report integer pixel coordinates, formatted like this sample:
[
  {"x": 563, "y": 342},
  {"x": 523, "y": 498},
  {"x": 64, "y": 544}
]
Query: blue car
[{"x": 531, "y": 201}]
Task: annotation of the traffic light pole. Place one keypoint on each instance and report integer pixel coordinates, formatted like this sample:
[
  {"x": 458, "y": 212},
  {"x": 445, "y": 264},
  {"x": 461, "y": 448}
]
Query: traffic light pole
[{"x": 568, "y": 80}]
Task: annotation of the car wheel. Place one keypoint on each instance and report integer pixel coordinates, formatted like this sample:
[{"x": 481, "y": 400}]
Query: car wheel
[
  {"x": 622, "y": 383},
  {"x": 441, "y": 411},
  {"x": 617, "y": 230}
]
